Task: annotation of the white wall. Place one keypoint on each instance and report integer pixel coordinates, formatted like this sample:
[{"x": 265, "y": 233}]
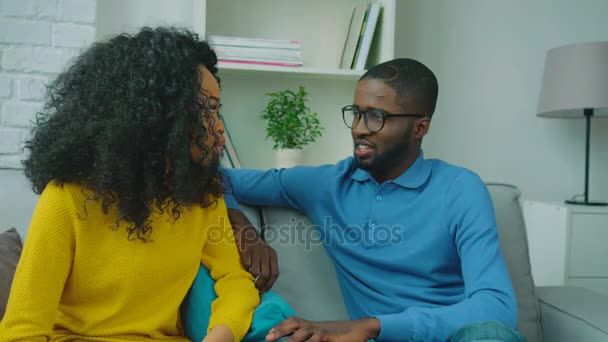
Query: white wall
[
  {"x": 118, "y": 16},
  {"x": 37, "y": 38},
  {"x": 488, "y": 56}
]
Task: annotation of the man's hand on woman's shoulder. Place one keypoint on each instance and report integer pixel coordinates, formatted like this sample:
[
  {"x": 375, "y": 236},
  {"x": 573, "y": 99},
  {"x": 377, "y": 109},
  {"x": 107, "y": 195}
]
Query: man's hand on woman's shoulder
[{"x": 256, "y": 255}]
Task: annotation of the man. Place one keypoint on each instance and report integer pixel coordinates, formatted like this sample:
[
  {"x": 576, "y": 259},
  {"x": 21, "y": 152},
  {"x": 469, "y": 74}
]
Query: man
[{"x": 443, "y": 269}]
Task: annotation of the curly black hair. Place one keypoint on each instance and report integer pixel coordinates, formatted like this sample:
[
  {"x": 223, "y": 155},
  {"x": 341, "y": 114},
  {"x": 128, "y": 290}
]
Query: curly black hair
[{"x": 120, "y": 121}]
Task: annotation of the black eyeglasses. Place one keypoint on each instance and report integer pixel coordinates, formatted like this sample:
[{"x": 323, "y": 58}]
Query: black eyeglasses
[{"x": 373, "y": 118}]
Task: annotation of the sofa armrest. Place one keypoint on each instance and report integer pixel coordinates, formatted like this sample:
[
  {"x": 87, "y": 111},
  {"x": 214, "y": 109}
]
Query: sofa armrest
[{"x": 573, "y": 314}]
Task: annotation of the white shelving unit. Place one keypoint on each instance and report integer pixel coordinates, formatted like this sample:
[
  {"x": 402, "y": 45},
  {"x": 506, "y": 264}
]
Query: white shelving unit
[{"x": 321, "y": 27}]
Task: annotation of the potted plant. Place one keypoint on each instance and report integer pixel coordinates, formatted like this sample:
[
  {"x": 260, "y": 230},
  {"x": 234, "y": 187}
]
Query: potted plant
[{"x": 290, "y": 125}]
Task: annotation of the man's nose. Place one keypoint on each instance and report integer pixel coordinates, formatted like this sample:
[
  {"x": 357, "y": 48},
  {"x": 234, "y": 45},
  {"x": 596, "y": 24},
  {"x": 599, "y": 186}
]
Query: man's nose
[{"x": 360, "y": 128}]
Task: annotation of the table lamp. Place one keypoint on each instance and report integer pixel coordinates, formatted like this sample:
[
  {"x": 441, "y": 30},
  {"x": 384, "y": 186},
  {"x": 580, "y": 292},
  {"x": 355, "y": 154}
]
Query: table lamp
[{"x": 575, "y": 85}]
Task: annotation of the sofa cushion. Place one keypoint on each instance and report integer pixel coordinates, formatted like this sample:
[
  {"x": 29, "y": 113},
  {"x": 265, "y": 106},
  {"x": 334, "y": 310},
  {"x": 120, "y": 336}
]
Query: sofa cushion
[
  {"x": 307, "y": 278},
  {"x": 514, "y": 245},
  {"x": 10, "y": 251},
  {"x": 252, "y": 214},
  {"x": 573, "y": 314}
]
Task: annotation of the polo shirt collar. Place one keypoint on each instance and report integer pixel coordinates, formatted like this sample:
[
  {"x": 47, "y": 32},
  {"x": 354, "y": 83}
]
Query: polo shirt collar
[{"x": 414, "y": 177}]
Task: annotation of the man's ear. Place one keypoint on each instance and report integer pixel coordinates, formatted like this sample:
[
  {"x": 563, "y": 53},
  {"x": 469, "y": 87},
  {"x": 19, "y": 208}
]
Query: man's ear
[{"x": 421, "y": 127}]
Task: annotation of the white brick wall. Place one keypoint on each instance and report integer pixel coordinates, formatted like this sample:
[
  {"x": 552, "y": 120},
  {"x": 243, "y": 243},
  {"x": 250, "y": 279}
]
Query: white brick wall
[
  {"x": 32, "y": 88},
  {"x": 48, "y": 60},
  {"x": 37, "y": 39},
  {"x": 19, "y": 114},
  {"x": 6, "y": 83},
  {"x": 43, "y": 9},
  {"x": 77, "y": 11},
  {"x": 10, "y": 140},
  {"x": 72, "y": 35},
  {"x": 25, "y": 32}
]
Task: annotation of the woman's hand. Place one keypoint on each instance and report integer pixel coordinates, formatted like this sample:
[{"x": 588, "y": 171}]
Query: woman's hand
[{"x": 219, "y": 333}]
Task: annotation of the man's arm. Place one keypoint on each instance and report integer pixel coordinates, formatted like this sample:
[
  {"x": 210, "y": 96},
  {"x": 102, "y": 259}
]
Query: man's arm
[
  {"x": 488, "y": 293},
  {"x": 285, "y": 188},
  {"x": 294, "y": 188}
]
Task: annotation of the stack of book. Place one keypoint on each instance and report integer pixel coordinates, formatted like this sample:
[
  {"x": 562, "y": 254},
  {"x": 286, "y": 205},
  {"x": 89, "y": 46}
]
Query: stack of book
[
  {"x": 358, "y": 42},
  {"x": 256, "y": 51}
]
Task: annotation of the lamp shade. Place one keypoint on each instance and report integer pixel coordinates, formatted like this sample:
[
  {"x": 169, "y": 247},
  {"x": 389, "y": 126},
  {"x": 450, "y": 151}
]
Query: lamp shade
[{"x": 575, "y": 78}]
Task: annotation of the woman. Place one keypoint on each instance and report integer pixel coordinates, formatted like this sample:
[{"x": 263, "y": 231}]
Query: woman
[{"x": 125, "y": 156}]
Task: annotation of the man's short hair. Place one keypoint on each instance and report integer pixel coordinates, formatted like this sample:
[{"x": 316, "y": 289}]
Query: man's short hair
[{"x": 413, "y": 81}]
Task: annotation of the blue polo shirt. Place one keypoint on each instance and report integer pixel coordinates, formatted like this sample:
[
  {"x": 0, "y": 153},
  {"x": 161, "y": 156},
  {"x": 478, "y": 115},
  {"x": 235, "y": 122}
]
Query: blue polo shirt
[{"x": 419, "y": 252}]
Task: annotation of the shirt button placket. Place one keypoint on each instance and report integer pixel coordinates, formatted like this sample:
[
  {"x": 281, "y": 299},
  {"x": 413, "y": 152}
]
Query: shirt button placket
[{"x": 372, "y": 223}]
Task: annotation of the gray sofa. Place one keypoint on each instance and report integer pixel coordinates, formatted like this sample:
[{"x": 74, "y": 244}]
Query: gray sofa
[{"x": 308, "y": 280}]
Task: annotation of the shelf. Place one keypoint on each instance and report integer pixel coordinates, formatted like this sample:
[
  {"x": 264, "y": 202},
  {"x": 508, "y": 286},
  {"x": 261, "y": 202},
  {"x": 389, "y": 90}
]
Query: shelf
[
  {"x": 321, "y": 26},
  {"x": 299, "y": 72}
]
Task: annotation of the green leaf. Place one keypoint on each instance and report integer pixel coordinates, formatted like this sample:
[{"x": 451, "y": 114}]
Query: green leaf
[{"x": 290, "y": 123}]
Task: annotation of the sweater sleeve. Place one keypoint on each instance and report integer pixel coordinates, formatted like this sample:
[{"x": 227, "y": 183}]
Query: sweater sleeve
[
  {"x": 43, "y": 268},
  {"x": 237, "y": 296}
]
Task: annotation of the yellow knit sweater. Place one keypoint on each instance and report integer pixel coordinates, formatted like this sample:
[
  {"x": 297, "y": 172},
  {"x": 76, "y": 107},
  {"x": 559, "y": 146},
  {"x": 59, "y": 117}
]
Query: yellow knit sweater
[{"x": 79, "y": 279}]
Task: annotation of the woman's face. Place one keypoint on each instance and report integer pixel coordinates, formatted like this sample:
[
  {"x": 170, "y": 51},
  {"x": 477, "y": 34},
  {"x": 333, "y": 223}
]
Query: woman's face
[{"x": 214, "y": 140}]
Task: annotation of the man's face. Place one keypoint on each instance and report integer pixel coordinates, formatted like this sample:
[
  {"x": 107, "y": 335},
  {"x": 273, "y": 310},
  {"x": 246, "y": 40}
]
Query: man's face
[{"x": 380, "y": 151}]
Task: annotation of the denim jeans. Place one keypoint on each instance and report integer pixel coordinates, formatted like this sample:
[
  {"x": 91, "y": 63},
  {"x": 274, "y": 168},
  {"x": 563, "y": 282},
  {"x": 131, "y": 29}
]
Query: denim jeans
[{"x": 487, "y": 332}]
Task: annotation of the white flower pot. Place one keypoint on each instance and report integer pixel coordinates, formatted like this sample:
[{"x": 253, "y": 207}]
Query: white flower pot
[{"x": 288, "y": 158}]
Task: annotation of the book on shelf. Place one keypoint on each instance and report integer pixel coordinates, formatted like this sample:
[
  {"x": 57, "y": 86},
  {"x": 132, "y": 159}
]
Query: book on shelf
[
  {"x": 364, "y": 21},
  {"x": 261, "y": 62},
  {"x": 257, "y": 51},
  {"x": 254, "y": 42},
  {"x": 352, "y": 38},
  {"x": 251, "y": 52}
]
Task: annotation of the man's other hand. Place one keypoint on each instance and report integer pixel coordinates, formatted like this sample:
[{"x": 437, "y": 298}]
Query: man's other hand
[{"x": 347, "y": 331}]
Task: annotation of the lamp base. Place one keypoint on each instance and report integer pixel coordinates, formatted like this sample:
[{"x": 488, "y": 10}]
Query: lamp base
[{"x": 589, "y": 203}]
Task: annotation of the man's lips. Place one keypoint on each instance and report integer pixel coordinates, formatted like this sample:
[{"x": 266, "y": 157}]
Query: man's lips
[
  {"x": 363, "y": 142},
  {"x": 363, "y": 148}
]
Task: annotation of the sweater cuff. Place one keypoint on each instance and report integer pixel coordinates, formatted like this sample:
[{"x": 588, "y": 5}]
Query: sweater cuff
[
  {"x": 239, "y": 326},
  {"x": 396, "y": 327}
]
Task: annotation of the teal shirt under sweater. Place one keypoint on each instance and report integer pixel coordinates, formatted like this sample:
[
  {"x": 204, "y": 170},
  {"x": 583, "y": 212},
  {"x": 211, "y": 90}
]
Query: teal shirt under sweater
[{"x": 196, "y": 310}]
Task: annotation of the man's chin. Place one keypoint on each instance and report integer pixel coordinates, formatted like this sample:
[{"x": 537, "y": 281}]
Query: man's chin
[{"x": 364, "y": 164}]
